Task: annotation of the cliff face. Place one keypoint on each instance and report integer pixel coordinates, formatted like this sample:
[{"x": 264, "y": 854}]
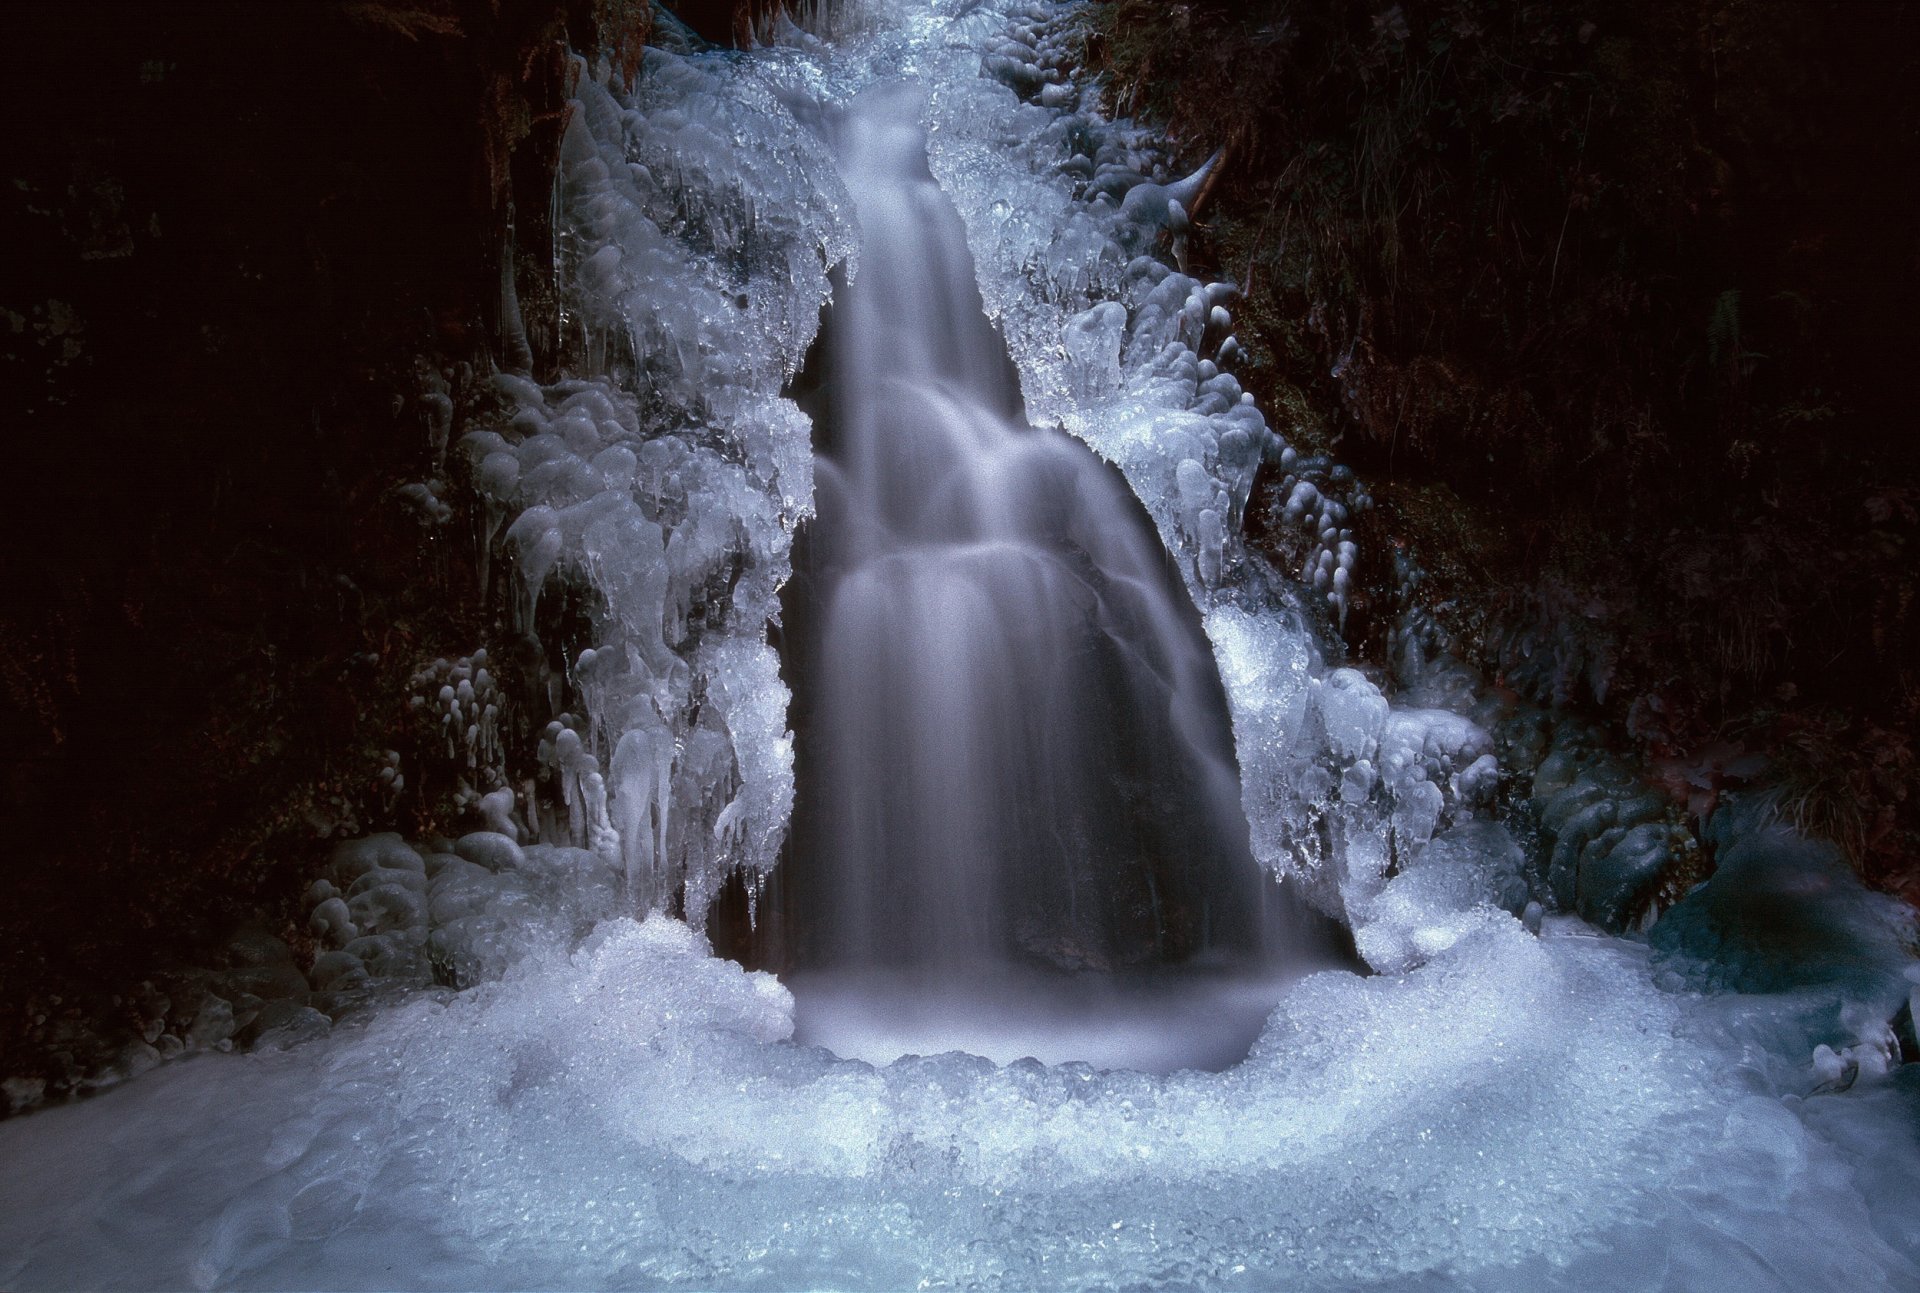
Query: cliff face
[
  {"x": 1613, "y": 304},
  {"x": 234, "y": 228}
]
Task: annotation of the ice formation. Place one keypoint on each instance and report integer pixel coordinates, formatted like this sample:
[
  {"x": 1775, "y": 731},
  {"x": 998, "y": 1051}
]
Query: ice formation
[
  {"x": 1513, "y": 1102},
  {"x": 700, "y": 220},
  {"x": 1513, "y": 1113},
  {"x": 1065, "y": 211}
]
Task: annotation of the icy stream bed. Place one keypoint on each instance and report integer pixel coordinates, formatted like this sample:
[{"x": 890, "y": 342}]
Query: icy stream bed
[
  {"x": 1494, "y": 1108},
  {"x": 1518, "y": 1112}
]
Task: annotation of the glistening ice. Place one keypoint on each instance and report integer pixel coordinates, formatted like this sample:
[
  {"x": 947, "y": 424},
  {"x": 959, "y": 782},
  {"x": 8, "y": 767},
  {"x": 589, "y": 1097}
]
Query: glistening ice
[
  {"x": 1515, "y": 1113},
  {"x": 610, "y": 1105}
]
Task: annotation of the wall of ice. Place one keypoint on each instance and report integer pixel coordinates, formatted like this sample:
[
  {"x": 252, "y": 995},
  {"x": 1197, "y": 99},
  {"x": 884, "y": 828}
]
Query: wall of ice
[
  {"x": 698, "y": 223},
  {"x": 700, "y": 218}
]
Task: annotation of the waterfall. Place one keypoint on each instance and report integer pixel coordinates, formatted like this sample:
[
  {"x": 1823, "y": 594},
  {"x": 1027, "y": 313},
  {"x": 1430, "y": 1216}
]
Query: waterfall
[
  {"x": 989, "y": 628},
  {"x": 1019, "y": 746}
]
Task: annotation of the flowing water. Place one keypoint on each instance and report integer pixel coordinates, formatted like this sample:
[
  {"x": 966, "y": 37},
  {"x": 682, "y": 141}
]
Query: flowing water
[{"x": 1017, "y": 778}]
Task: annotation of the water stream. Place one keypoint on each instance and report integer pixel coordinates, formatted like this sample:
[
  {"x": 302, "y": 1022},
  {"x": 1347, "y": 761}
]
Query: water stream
[{"x": 1019, "y": 758}]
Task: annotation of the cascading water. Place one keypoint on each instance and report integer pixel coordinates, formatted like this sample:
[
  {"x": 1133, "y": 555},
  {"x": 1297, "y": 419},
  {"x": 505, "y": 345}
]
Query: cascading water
[
  {"x": 1018, "y": 757},
  {"x": 1006, "y": 681}
]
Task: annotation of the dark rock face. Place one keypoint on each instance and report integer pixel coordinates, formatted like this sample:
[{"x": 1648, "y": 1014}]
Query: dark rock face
[
  {"x": 1612, "y": 311},
  {"x": 232, "y": 228}
]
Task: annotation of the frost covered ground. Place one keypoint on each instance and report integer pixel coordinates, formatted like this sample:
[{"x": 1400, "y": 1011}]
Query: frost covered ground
[
  {"x": 1495, "y": 1108},
  {"x": 1517, "y": 1112}
]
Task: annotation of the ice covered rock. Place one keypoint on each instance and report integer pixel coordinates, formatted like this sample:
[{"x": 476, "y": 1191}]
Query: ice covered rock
[
  {"x": 490, "y": 849},
  {"x": 1782, "y": 911},
  {"x": 281, "y": 1024},
  {"x": 1612, "y": 840},
  {"x": 1616, "y": 877},
  {"x": 700, "y": 218},
  {"x": 464, "y": 918}
]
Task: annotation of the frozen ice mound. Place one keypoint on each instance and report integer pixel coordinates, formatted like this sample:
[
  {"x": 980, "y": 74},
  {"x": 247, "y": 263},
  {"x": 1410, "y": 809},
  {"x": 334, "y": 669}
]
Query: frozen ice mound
[
  {"x": 699, "y": 219},
  {"x": 1514, "y": 1113},
  {"x": 1783, "y": 912},
  {"x": 387, "y": 915},
  {"x": 1470, "y": 877}
]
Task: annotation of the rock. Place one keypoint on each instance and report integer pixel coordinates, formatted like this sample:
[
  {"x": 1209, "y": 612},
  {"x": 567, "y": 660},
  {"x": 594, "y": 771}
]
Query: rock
[
  {"x": 387, "y": 907},
  {"x": 281, "y": 1024},
  {"x": 132, "y": 1060},
  {"x": 337, "y": 970},
  {"x": 1782, "y": 912},
  {"x": 268, "y": 982},
  {"x": 254, "y": 946},
  {"x": 23, "y": 1093},
  {"x": 212, "y": 1024},
  {"x": 386, "y": 851},
  {"x": 1615, "y": 886},
  {"x": 399, "y": 955},
  {"x": 332, "y": 921}
]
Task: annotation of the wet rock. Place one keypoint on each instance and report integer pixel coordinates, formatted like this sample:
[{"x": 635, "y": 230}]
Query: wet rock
[
  {"x": 1615, "y": 886},
  {"x": 337, "y": 971},
  {"x": 130, "y": 1061},
  {"x": 281, "y": 1024},
  {"x": 212, "y": 1024},
  {"x": 1783, "y": 911},
  {"x": 23, "y": 1093}
]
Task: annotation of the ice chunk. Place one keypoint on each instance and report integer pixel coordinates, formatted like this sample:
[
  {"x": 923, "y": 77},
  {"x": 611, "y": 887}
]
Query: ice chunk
[{"x": 1354, "y": 712}]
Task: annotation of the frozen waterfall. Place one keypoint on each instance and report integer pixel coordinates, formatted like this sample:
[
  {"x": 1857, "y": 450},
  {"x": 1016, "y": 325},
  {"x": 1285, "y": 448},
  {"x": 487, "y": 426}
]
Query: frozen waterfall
[{"x": 985, "y": 627}]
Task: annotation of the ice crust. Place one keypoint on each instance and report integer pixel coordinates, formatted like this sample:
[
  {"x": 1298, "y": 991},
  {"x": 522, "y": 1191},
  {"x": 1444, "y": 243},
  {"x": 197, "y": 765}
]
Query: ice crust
[
  {"x": 699, "y": 221},
  {"x": 1514, "y": 1113},
  {"x": 1493, "y": 1110}
]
